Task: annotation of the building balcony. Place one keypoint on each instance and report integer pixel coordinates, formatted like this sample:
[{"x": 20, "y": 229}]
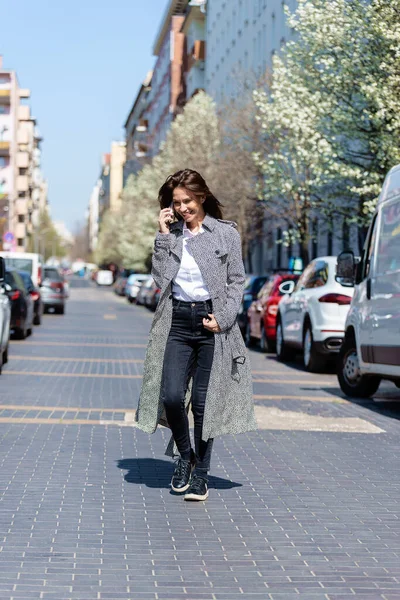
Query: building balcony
[
  {"x": 197, "y": 54},
  {"x": 22, "y": 183},
  {"x": 22, "y": 160},
  {"x": 21, "y": 206},
  {"x": 5, "y": 96},
  {"x": 4, "y": 148}
]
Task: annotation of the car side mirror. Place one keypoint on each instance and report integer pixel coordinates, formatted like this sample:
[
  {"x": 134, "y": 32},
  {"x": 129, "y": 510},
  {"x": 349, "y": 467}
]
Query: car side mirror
[
  {"x": 346, "y": 268},
  {"x": 287, "y": 287},
  {"x": 2, "y": 269}
]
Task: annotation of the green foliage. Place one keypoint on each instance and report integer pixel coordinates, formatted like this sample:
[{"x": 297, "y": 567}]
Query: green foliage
[
  {"x": 192, "y": 142},
  {"x": 334, "y": 110},
  {"x": 45, "y": 238}
]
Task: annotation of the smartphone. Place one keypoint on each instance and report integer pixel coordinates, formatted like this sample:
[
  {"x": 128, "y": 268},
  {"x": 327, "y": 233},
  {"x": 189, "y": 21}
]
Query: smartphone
[{"x": 173, "y": 218}]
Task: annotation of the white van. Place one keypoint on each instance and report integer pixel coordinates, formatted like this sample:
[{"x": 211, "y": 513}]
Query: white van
[
  {"x": 30, "y": 262},
  {"x": 371, "y": 348}
]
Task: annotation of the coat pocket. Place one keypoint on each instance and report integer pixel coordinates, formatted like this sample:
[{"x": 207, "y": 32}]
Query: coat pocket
[{"x": 237, "y": 345}]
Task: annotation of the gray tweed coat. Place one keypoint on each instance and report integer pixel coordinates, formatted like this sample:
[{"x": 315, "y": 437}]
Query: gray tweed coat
[{"x": 229, "y": 403}]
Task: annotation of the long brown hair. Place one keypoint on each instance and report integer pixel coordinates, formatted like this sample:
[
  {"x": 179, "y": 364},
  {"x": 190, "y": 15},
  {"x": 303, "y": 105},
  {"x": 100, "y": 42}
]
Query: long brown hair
[{"x": 194, "y": 182}]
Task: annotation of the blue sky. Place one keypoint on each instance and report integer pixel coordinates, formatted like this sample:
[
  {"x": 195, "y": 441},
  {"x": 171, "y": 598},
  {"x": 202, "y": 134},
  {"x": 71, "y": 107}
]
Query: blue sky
[{"x": 83, "y": 61}]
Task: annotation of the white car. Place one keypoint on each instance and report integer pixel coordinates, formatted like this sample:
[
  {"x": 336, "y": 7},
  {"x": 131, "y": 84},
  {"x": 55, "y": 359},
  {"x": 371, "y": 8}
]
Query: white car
[
  {"x": 371, "y": 348},
  {"x": 312, "y": 318},
  {"x": 104, "y": 277},
  {"x": 5, "y": 317},
  {"x": 133, "y": 285}
]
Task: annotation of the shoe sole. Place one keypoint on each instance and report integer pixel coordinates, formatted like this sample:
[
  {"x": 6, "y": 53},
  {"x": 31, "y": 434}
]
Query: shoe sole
[
  {"x": 196, "y": 497},
  {"x": 179, "y": 490}
]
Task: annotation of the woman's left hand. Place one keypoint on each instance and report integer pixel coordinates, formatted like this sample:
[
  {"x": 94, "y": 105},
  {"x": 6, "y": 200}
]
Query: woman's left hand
[{"x": 211, "y": 324}]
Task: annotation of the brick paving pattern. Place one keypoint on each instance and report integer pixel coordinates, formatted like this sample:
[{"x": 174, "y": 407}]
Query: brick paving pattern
[{"x": 86, "y": 512}]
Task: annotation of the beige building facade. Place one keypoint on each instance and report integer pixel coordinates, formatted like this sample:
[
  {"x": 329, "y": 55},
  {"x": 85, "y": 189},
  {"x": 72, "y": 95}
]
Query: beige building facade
[
  {"x": 117, "y": 162},
  {"x": 22, "y": 188}
]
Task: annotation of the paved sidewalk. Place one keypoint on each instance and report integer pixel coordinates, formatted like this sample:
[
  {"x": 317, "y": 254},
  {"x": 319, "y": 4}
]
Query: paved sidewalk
[{"x": 85, "y": 507}]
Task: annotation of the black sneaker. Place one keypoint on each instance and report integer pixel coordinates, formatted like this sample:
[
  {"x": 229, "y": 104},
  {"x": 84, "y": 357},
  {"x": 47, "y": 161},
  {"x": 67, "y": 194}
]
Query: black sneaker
[
  {"x": 181, "y": 477},
  {"x": 198, "y": 489}
]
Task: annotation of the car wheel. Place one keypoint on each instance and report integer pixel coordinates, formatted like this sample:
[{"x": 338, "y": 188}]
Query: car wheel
[
  {"x": 20, "y": 334},
  {"x": 29, "y": 332},
  {"x": 131, "y": 300},
  {"x": 248, "y": 338},
  {"x": 5, "y": 356},
  {"x": 352, "y": 383},
  {"x": 312, "y": 361},
  {"x": 60, "y": 310},
  {"x": 264, "y": 346},
  {"x": 283, "y": 353}
]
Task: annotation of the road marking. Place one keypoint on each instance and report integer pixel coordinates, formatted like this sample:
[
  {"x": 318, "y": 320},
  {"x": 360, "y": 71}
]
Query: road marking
[
  {"x": 136, "y": 376},
  {"x": 87, "y": 344},
  {"x": 335, "y": 399},
  {"x": 61, "y": 408},
  {"x": 110, "y": 317},
  {"x": 268, "y": 418},
  {"x": 78, "y": 359},
  {"x": 53, "y": 374},
  {"x": 296, "y": 381}
]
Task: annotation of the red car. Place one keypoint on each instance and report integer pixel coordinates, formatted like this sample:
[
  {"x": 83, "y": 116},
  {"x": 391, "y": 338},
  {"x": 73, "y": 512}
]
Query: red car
[{"x": 261, "y": 316}]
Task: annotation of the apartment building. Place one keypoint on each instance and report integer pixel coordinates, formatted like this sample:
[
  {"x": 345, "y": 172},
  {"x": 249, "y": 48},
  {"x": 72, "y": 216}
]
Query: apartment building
[
  {"x": 137, "y": 130},
  {"x": 168, "y": 93},
  {"x": 21, "y": 182},
  {"x": 117, "y": 162},
  {"x": 194, "y": 29},
  {"x": 93, "y": 216}
]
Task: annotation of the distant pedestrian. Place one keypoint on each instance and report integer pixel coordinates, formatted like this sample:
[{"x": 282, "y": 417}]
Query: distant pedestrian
[{"x": 196, "y": 354}]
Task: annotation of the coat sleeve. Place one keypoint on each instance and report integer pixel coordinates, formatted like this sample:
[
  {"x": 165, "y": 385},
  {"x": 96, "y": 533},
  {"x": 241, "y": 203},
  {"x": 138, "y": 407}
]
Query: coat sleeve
[
  {"x": 235, "y": 285},
  {"x": 162, "y": 245}
]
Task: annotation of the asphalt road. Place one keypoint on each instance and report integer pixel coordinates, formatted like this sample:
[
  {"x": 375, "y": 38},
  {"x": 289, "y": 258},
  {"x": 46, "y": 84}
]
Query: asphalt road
[{"x": 306, "y": 507}]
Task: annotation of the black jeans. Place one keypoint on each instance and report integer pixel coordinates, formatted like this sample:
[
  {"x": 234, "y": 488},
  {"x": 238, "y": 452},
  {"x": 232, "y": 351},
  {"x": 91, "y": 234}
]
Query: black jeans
[{"x": 189, "y": 351}]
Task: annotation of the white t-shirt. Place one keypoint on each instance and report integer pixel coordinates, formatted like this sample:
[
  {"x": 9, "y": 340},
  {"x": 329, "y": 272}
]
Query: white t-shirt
[{"x": 189, "y": 284}]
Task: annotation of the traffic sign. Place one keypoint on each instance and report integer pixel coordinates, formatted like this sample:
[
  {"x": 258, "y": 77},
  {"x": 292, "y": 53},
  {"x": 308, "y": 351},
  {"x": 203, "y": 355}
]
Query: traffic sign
[{"x": 8, "y": 237}]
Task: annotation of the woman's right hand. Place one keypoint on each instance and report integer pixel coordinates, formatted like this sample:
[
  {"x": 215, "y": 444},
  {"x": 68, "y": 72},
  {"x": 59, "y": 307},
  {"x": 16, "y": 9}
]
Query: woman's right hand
[{"x": 164, "y": 219}]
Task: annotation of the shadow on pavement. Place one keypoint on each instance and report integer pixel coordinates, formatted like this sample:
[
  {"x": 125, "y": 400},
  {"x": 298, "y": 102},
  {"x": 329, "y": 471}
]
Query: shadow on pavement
[
  {"x": 156, "y": 473},
  {"x": 386, "y": 402}
]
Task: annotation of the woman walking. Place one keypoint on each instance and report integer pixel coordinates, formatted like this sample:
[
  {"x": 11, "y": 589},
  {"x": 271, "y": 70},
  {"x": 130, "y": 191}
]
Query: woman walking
[{"x": 196, "y": 354}]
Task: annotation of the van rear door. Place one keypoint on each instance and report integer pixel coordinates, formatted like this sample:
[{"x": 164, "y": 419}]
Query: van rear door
[{"x": 385, "y": 291}]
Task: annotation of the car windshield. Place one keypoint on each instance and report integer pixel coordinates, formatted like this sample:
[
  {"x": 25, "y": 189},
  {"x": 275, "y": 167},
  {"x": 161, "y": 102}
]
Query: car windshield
[
  {"x": 255, "y": 285},
  {"x": 26, "y": 279},
  {"x": 52, "y": 274},
  {"x": 20, "y": 264}
]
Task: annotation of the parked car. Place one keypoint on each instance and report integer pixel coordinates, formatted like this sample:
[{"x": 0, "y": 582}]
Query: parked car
[
  {"x": 133, "y": 286},
  {"x": 143, "y": 291},
  {"x": 261, "y": 322},
  {"x": 253, "y": 285},
  {"x": 5, "y": 317},
  {"x": 371, "y": 347},
  {"x": 311, "y": 319},
  {"x": 152, "y": 297},
  {"x": 104, "y": 277},
  {"x": 53, "y": 291},
  {"x": 22, "y": 304},
  {"x": 36, "y": 297},
  {"x": 30, "y": 262},
  {"x": 122, "y": 279}
]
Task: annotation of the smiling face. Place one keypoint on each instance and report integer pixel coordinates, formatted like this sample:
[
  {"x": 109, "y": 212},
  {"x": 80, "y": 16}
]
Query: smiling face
[{"x": 188, "y": 205}]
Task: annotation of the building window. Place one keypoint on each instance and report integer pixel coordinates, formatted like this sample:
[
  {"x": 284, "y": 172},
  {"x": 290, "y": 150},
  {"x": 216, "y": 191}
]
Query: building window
[
  {"x": 4, "y": 109},
  {"x": 21, "y": 219},
  {"x": 20, "y": 241},
  {"x": 4, "y": 162},
  {"x": 23, "y": 171},
  {"x": 21, "y": 194}
]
